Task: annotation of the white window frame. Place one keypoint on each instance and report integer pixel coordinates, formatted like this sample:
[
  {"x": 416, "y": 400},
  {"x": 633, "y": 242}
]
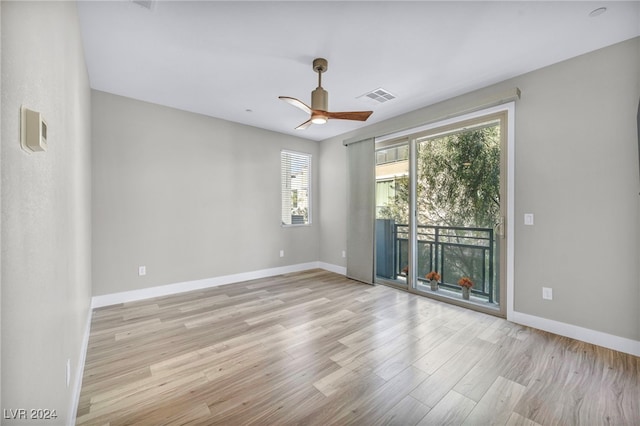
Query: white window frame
[{"x": 283, "y": 189}]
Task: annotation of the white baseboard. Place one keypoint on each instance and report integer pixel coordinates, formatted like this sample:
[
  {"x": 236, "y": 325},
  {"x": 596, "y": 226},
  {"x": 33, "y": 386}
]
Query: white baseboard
[
  {"x": 165, "y": 290},
  {"x": 332, "y": 268},
  {"x": 599, "y": 338},
  {"x": 77, "y": 384}
]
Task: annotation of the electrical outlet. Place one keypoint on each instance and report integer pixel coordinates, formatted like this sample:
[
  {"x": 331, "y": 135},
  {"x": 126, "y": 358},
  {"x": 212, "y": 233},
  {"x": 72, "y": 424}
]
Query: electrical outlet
[
  {"x": 547, "y": 293},
  {"x": 142, "y": 270},
  {"x": 281, "y": 253},
  {"x": 344, "y": 253},
  {"x": 528, "y": 219}
]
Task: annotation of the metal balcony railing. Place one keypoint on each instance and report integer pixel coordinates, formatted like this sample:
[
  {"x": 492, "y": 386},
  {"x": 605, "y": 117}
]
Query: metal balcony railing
[{"x": 452, "y": 251}]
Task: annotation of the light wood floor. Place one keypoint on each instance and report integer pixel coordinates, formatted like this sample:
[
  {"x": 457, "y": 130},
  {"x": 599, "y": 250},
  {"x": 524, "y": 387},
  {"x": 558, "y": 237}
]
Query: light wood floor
[{"x": 315, "y": 348}]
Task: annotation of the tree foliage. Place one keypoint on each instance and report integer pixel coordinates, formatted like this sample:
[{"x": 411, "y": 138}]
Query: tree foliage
[{"x": 457, "y": 183}]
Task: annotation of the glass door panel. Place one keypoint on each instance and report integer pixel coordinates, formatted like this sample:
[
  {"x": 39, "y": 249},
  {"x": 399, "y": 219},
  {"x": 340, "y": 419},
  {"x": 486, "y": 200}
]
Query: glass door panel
[
  {"x": 392, "y": 214},
  {"x": 458, "y": 209}
]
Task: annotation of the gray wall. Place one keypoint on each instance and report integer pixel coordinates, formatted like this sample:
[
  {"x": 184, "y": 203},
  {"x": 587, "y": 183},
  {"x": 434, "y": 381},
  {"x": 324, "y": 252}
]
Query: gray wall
[
  {"x": 45, "y": 224},
  {"x": 188, "y": 196},
  {"x": 576, "y": 169}
]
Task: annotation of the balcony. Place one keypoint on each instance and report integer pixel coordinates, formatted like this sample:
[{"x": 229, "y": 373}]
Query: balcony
[{"x": 452, "y": 251}]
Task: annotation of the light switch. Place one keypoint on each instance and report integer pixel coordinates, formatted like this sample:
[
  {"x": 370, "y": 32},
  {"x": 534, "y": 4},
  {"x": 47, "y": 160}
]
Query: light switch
[
  {"x": 528, "y": 218},
  {"x": 33, "y": 131}
]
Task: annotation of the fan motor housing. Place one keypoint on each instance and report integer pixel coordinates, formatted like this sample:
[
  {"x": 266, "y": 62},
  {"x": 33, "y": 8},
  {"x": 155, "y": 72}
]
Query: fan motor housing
[{"x": 320, "y": 99}]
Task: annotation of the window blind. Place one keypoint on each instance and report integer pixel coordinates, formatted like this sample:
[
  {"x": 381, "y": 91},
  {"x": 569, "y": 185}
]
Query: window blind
[{"x": 295, "y": 175}]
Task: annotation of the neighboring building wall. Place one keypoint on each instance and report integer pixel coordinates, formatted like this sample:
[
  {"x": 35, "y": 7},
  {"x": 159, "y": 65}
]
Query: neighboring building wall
[
  {"x": 299, "y": 184},
  {"x": 46, "y": 229},
  {"x": 188, "y": 196},
  {"x": 576, "y": 168},
  {"x": 387, "y": 175}
]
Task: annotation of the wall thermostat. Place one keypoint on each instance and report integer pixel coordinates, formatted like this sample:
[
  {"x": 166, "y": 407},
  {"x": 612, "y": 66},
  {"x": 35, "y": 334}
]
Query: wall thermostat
[{"x": 33, "y": 131}]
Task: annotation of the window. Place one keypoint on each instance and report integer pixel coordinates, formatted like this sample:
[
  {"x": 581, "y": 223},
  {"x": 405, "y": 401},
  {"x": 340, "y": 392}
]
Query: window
[
  {"x": 385, "y": 193},
  {"x": 295, "y": 174},
  {"x": 392, "y": 155}
]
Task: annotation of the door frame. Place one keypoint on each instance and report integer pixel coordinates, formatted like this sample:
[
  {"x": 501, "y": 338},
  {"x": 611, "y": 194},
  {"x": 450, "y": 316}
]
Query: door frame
[{"x": 507, "y": 165}]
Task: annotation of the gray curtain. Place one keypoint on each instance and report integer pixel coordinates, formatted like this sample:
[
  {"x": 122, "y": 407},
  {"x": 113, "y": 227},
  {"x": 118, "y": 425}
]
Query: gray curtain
[{"x": 361, "y": 211}]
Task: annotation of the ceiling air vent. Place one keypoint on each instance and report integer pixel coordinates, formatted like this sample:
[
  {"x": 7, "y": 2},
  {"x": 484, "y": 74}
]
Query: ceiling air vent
[
  {"x": 379, "y": 95},
  {"x": 147, "y": 4}
]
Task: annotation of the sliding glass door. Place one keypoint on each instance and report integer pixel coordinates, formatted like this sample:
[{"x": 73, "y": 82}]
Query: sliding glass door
[
  {"x": 452, "y": 178},
  {"x": 392, "y": 213}
]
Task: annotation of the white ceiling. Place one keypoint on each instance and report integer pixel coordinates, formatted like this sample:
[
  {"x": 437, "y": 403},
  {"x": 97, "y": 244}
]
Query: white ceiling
[{"x": 232, "y": 60}]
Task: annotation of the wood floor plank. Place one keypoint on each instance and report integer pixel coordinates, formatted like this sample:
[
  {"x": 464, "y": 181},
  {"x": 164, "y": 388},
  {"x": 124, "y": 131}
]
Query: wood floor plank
[
  {"x": 452, "y": 409},
  {"x": 517, "y": 420},
  {"x": 233, "y": 312},
  {"x": 408, "y": 412},
  {"x": 316, "y": 348},
  {"x": 409, "y": 355},
  {"x": 129, "y": 399},
  {"x": 374, "y": 351},
  {"x": 279, "y": 314},
  {"x": 335, "y": 381},
  {"x": 496, "y": 361},
  {"x": 342, "y": 408},
  {"x": 497, "y": 404},
  {"x": 445, "y": 378},
  {"x": 269, "y": 385},
  {"x": 444, "y": 351}
]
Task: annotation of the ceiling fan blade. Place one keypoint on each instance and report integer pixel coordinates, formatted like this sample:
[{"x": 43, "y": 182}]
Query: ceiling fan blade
[
  {"x": 304, "y": 125},
  {"x": 296, "y": 103},
  {"x": 350, "y": 115}
]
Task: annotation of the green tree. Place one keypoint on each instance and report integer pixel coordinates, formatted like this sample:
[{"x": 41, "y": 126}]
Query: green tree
[{"x": 458, "y": 182}]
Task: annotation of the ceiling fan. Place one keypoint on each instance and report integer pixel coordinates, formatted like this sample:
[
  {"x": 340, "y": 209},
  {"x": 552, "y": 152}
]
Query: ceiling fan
[{"x": 319, "y": 103}]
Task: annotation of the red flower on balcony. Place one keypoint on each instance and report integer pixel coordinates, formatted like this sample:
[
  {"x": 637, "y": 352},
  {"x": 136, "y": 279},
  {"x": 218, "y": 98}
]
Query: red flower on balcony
[
  {"x": 433, "y": 276},
  {"x": 465, "y": 282}
]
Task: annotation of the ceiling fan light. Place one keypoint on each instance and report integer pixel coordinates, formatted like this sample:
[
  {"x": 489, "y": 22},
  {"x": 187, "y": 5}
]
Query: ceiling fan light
[{"x": 318, "y": 119}]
